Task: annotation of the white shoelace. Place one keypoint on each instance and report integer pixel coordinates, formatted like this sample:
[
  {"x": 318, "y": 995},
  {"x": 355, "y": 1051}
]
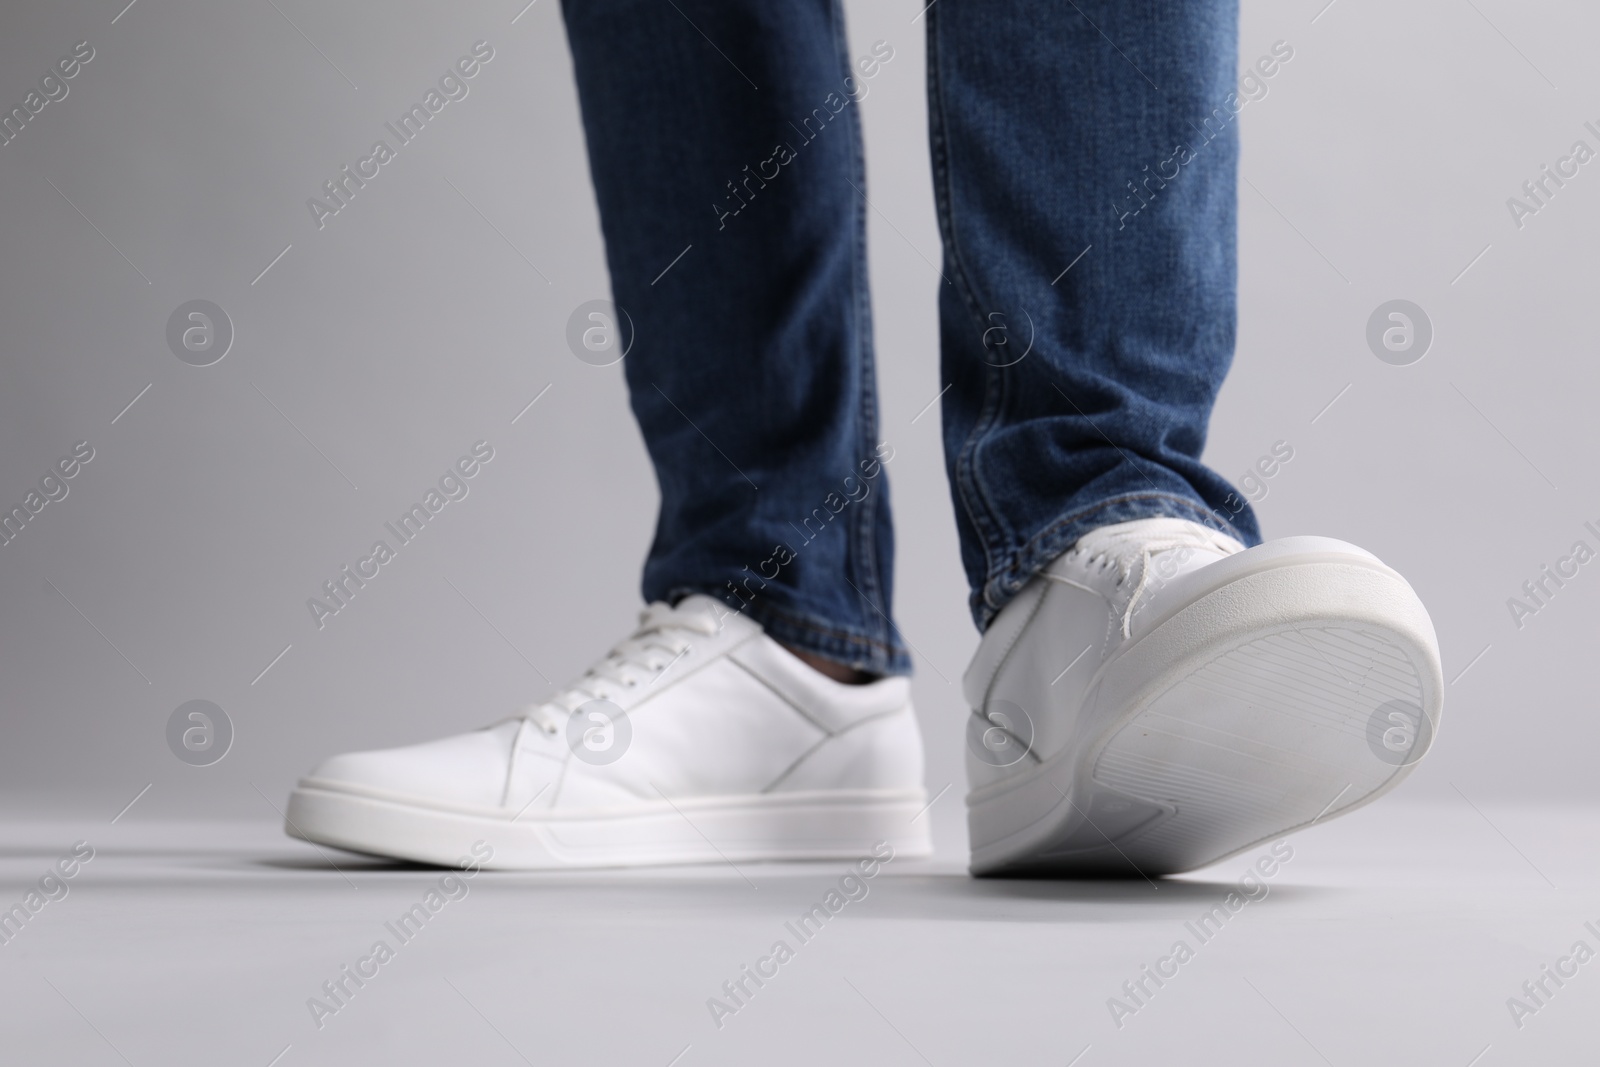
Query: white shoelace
[
  {"x": 665, "y": 634},
  {"x": 1129, "y": 550}
]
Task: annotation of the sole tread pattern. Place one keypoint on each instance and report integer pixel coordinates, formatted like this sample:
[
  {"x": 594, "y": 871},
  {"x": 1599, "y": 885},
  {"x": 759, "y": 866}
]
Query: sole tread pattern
[{"x": 1256, "y": 742}]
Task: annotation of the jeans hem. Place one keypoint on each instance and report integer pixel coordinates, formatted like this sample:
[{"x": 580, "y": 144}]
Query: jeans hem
[{"x": 1040, "y": 551}]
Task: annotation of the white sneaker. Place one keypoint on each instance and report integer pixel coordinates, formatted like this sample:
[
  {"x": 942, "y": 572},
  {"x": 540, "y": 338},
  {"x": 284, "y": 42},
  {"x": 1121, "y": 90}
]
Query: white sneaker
[
  {"x": 698, "y": 739},
  {"x": 1161, "y": 697}
]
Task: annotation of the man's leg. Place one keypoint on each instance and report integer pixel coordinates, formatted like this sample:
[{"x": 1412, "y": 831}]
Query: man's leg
[
  {"x": 1084, "y": 160},
  {"x": 724, "y": 145},
  {"x": 1150, "y": 694},
  {"x": 726, "y": 155}
]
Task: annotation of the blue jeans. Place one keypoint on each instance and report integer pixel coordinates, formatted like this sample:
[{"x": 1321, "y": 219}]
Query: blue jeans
[{"x": 1084, "y": 166}]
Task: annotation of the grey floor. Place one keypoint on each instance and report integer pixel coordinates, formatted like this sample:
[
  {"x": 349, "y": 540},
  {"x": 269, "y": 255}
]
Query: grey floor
[{"x": 1396, "y": 935}]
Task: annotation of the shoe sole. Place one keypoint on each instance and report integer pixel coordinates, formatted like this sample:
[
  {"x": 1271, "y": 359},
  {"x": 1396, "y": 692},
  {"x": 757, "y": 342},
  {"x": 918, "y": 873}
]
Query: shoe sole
[
  {"x": 796, "y": 826},
  {"x": 1284, "y": 697}
]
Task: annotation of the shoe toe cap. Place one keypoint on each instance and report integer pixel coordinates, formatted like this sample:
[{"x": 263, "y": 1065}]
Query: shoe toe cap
[{"x": 469, "y": 769}]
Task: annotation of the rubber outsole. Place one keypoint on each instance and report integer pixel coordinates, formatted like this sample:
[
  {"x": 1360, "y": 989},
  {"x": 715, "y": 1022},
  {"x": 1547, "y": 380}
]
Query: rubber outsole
[
  {"x": 791, "y": 826},
  {"x": 1280, "y": 699}
]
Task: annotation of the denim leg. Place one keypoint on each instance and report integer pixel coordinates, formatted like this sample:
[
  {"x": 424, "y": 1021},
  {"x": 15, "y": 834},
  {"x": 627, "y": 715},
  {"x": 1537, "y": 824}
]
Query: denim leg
[
  {"x": 1084, "y": 165},
  {"x": 725, "y": 132}
]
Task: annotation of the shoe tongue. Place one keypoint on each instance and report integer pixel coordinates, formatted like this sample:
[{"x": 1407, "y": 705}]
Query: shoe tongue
[
  {"x": 1129, "y": 540},
  {"x": 699, "y": 604},
  {"x": 716, "y": 612}
]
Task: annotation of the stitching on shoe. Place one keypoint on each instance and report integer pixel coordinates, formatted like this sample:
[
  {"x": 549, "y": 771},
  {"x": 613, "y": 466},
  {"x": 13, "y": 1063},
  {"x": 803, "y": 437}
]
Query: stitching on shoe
[
  {"x": 826, "y": 733},
  {"x": 808, "y": 753}
]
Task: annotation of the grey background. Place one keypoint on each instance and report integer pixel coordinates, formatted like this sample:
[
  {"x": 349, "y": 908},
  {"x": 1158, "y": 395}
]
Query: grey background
[{"x": 425, "y": 317}]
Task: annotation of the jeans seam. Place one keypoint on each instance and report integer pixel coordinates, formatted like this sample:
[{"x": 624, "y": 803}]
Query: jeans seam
[
  {"x": 984, "y": 519},
  {"x": 864, "y": 534}
]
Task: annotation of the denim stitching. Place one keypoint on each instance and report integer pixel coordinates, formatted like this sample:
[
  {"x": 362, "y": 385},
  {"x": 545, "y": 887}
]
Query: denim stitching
[
  {"x": 985, "y": 519},
  {"x": 866, "y": 561}
]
